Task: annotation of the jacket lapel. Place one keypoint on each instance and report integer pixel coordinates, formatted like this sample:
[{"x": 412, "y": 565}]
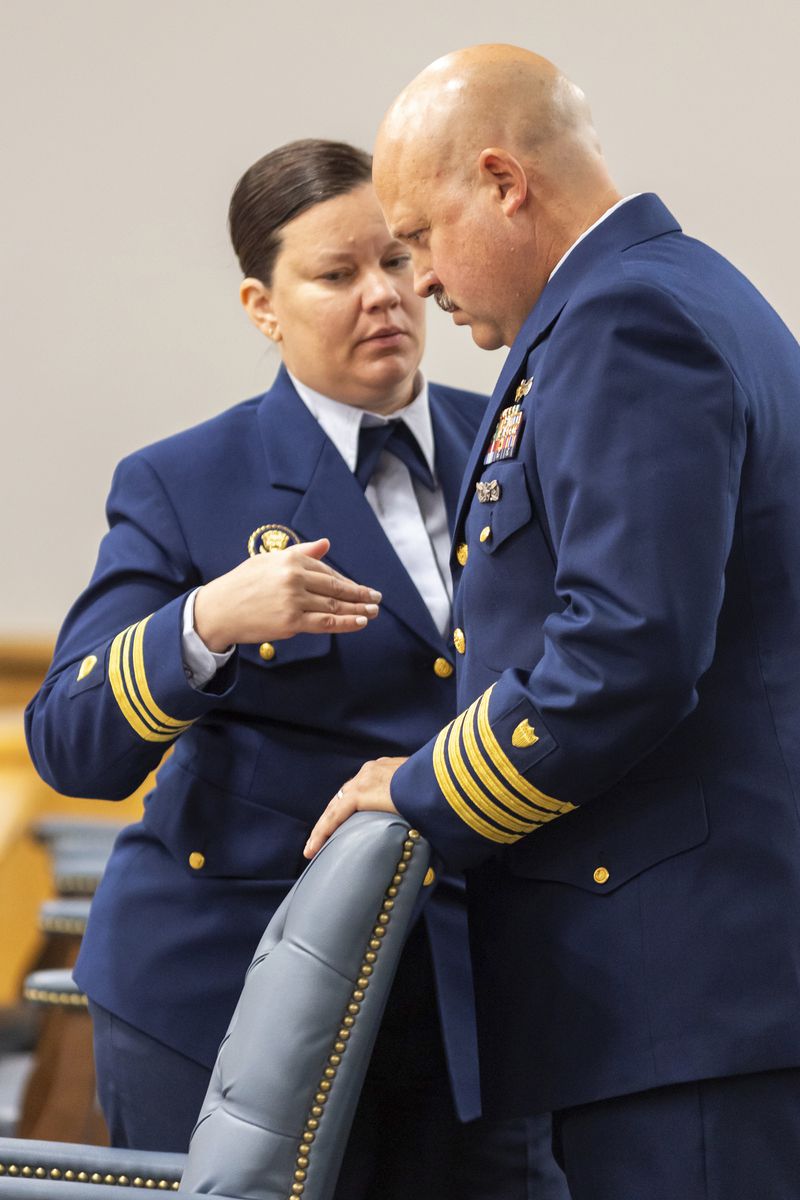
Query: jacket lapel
[{"x": 331, "y": 504}]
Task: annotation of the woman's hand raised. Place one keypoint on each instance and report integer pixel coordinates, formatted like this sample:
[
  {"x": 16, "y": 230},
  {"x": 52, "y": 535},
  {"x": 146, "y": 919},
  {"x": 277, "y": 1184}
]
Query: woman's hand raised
[{"x": 274, "y": 596}]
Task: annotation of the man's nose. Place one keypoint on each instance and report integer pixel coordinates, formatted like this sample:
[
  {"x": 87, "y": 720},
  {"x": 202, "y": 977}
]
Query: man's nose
[{"x": 425, "y": 282}]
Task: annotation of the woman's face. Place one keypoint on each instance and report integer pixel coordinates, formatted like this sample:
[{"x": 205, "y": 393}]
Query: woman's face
[{"x": 342, "y": 304}]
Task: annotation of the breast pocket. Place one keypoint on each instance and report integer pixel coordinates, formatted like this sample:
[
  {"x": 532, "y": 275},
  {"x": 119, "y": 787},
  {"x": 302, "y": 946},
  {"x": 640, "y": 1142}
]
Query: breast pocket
[
  {"x": 497, "y": 520},
  {"x": 294, "y": 651}
]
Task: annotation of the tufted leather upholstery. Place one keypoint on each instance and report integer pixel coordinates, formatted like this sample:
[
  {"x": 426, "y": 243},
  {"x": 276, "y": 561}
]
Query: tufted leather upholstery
[
  {"x": 276, "y": 1119},
  {"x": 285, "y": 1045}
]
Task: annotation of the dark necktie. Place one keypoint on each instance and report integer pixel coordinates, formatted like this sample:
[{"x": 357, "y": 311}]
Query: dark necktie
[{"x": 396, "y": 438}]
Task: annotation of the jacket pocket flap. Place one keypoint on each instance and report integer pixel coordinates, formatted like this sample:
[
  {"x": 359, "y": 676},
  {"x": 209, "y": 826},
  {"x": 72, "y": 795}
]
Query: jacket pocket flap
[
  {"x": 510, "y": 512},
  {"x": 271, "y": 656},
  {"x": 617, "y": 836},
  {"x": 214, "y": 833}
]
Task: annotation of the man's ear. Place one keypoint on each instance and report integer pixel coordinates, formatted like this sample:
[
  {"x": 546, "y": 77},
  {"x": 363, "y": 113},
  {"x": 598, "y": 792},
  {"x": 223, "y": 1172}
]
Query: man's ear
[
  {"x": 256, "y": 299},
  {"x": 506, "y": 175}
]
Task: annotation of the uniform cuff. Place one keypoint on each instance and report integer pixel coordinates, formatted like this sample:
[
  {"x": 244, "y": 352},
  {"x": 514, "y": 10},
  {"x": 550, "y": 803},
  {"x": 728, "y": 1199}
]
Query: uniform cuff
[
  {"x": 199, "y": 663},
  {"x": 147, "y": 677}
]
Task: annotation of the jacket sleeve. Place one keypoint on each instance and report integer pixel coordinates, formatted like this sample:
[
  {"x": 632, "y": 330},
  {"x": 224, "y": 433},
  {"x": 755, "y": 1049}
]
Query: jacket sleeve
[
  {"x": 640, "y": 434},
  {"x": 116, "y": 695}
]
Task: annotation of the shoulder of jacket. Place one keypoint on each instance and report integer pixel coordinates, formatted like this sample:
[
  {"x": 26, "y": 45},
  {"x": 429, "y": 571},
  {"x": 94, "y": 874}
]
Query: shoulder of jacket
[
  {"x": 194, "y": 448},
  {"x": 470, "y": 404}
]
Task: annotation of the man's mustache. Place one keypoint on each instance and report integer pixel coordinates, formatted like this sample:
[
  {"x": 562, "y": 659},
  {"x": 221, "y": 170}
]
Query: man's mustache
[{"x": 443, "y": 300}]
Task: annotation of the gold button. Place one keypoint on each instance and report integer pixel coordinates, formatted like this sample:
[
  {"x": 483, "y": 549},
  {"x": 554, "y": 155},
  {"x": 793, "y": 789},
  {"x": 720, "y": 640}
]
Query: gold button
[
  {"x": 459, "y": 641},
  {"x": 197, "y": 860},
  {"x": 443, "y": 668},
  {"x": 462, "y": 553},
  {"x": 267, "y": 651},
  {"x": 485, "y": 533},
  {"x": 88, "y": 664},
  {"x": 601, "y": 875},
  {"x": 430, "y": 875}
]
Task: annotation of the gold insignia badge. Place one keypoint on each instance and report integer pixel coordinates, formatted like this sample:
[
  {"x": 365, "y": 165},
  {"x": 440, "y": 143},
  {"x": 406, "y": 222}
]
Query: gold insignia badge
[
  {"x": 523, "y": 389},
  {"x": 267, "y": 538},
  {"x": 524, "y": 735},
  {"x": 488, "y": 491},
  {"x": 88, "y": 665}
]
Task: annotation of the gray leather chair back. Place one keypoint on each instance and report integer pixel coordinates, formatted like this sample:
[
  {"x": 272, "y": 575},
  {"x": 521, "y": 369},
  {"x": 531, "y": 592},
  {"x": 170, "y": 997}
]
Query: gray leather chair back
[{"x": 288, "y": 1075}]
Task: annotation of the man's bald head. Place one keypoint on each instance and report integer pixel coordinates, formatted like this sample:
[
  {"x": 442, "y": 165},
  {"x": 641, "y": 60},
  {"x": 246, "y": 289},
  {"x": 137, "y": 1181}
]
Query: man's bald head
[
  {"x": 493, "y": 123},
  {"x": 491, "y": 95}
]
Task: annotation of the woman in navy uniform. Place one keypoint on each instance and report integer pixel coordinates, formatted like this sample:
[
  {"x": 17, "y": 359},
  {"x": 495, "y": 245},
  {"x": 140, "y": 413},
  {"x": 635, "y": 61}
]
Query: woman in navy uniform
[{"x": 222, "y": 620}]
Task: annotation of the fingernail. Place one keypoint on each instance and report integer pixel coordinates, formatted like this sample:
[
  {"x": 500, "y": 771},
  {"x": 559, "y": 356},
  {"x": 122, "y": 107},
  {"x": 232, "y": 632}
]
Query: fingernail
[
  {"x": 361, "y": 620},
  {"x": 376, "y": 596},
  {"x": 372, "y": 609}
]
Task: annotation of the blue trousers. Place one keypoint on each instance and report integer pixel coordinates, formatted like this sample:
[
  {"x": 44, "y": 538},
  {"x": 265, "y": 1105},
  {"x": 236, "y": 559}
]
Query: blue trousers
[
  {"x": 406, "y": 1139},
  {"x": 714, "y": 1139}
]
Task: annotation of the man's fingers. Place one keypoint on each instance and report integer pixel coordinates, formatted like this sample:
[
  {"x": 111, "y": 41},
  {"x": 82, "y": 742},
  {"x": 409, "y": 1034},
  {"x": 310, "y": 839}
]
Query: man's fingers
[
  {"x": 340, "y": 808},
  {"x": 369, "y": 789}
]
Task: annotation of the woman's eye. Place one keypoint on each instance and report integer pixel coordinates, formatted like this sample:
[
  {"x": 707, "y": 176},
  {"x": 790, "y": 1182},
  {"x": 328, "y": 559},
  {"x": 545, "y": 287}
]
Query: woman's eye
[
  {"x": 399, "y": 261},
  {"x": 334, "y": 276}
]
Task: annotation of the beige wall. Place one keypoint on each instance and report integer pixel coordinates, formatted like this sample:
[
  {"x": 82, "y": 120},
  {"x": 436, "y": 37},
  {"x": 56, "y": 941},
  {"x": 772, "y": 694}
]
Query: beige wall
[{"x": 128, "y": 121}]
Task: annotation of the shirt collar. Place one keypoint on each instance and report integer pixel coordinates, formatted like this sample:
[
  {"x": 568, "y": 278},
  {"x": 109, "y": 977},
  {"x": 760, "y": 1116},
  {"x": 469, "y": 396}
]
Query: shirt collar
[
  {"x": 342, "y": 422},
  {"x": 586, "y": 232}
]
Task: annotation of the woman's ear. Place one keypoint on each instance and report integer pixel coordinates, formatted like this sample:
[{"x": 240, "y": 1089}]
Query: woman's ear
[
  {"x": 257, "y": 302},
  {"x": 505, "y": 174}
]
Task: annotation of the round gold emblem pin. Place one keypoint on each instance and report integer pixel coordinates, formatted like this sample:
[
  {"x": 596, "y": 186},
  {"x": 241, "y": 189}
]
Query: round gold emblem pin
[{"x": 267, "y": 538}]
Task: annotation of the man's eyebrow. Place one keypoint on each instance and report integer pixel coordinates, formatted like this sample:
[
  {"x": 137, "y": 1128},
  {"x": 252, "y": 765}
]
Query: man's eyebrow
[{"x": 405, "y": 237}]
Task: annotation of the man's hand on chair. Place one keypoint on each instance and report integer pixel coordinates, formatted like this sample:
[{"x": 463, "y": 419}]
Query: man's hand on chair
[{"x": 368, "y": 790}]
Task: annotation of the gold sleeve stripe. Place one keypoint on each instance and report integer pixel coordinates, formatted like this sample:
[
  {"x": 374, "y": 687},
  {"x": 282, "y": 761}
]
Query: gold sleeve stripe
[
  {"x": 451, "y": 795},
  {"x": 120, "y": 695},
  {"x": 141, "y": 679},
  {"x": 474, "y": 792},
  {"x": 504, "y": 765},
  {"x": 493, "y": 784},
  {"x": 133, "y": 695}
]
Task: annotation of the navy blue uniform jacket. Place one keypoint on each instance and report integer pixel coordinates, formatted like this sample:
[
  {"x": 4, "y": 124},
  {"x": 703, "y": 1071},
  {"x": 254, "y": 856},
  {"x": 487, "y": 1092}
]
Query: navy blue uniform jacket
[
  {"x": 623, "y": 776},
  {"x": 262, "y": 749}
]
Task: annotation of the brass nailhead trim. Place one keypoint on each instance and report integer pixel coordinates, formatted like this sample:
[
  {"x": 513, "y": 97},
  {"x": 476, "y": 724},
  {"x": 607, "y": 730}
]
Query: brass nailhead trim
[
  {"x": 72, "y": 1176},
  {"x": 63, "y": 999},
  {"x": 80, "y": 885},
  {"x": 62, "y": 924},
  {"x": 316, "y": 1112}
]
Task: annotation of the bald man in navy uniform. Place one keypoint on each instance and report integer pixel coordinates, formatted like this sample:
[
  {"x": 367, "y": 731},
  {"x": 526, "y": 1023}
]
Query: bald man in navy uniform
[{"x": 621, "y": 781}]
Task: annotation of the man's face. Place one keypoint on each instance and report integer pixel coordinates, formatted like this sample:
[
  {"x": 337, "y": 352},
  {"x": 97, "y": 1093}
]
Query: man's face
[{"x": 459, "y": 247}]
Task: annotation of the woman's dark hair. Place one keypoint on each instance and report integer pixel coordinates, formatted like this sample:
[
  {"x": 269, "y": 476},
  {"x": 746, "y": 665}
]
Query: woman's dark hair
[{"x": 280, "y": 186}]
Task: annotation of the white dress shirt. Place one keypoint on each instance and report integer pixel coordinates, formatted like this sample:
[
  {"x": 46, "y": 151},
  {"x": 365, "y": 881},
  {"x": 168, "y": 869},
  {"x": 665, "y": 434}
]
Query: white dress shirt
[
  {"x": 586, "y": 232},
  {"x": 413, "y": 518}
]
